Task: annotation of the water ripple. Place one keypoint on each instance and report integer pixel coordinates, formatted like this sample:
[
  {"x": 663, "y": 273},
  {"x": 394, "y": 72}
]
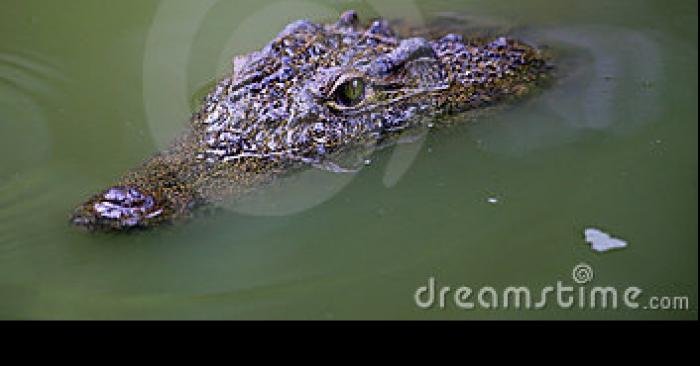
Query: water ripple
[{"x": 27, "y": 85}]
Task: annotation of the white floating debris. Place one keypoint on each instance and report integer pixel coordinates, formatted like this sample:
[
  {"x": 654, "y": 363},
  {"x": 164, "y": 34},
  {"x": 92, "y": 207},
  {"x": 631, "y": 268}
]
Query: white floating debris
[
  {"x": 601, "y": 241},
  {"x": 492, "y": 200}
]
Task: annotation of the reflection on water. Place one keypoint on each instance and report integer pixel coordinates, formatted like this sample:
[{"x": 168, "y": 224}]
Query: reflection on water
[
  {"x": 502, "y": 199},
  {"x": 321, "y": 182},
  {"x": 600, "y": 84}
]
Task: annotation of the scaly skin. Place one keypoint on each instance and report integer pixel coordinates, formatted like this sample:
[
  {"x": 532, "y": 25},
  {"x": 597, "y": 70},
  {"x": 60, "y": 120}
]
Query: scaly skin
[{"x": 288, "y": 105}]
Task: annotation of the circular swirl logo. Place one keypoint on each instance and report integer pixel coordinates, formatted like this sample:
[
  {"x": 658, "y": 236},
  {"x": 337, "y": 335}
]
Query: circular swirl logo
[
  {"x": 185, "y": 37},
  {"x": 582, "y": 273}
]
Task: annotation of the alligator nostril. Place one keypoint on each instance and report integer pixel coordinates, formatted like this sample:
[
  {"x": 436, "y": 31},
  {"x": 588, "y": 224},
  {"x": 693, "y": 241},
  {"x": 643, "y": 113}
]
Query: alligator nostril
[
  {"x": 127, "y": 197},
  {"x": 116, "y": 194}
]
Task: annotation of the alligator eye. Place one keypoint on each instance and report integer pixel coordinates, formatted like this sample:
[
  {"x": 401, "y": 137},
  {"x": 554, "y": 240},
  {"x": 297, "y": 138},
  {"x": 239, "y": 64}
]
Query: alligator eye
[{"x": 350, "y": 93}]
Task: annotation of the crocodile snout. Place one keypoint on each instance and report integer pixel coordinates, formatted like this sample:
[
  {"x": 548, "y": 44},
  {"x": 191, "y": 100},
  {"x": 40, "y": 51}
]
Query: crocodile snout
[{"x": 117, "y": 208}]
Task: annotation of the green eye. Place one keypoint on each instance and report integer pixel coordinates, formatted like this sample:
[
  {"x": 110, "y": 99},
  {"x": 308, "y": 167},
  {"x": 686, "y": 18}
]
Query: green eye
[{"x": 350, "y": 93}]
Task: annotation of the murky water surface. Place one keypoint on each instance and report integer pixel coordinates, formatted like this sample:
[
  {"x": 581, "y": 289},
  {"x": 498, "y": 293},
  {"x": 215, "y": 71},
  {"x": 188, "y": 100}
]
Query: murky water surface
[{"x": 89, "y": 89}]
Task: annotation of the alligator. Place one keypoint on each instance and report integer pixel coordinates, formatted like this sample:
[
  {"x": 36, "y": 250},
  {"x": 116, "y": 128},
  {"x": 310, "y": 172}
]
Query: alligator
[{"x": 314, "y": 90}]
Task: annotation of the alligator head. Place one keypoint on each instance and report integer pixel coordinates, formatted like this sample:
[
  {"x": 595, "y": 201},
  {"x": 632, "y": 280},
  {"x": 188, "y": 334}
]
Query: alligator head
[{"x": 314, "y": 89}]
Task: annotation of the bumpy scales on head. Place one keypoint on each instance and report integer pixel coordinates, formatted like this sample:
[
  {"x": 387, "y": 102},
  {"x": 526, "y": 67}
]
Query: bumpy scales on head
[{"x": 313, "y": 90}]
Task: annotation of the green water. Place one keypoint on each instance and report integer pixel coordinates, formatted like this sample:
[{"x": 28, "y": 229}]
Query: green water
[{"x": 90, "y": 88}]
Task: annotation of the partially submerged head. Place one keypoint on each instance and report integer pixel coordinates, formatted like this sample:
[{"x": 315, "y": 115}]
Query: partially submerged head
[
  {"x": 311, "y": 91},
  {"x": 318, "y": 87}
]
